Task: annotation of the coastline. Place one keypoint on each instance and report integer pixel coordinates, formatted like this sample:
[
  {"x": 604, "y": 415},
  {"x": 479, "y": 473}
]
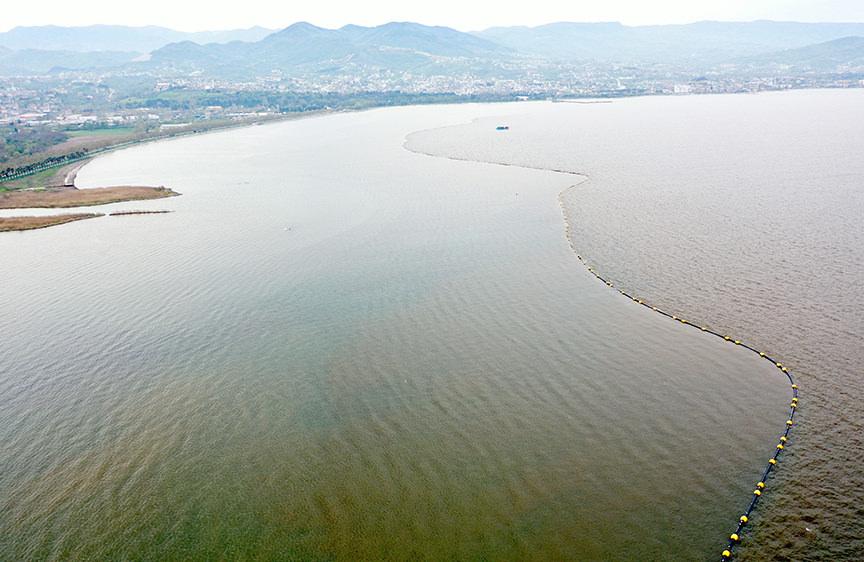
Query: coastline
[
  {"x": 69, "y": 196},
  {"x": 74, "y": 166},
  {"x": 587, "y": 100}
]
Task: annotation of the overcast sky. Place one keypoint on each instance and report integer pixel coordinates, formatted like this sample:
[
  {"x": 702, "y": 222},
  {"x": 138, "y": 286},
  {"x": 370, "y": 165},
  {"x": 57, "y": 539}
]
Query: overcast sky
[{"x": 461, "y": 14}]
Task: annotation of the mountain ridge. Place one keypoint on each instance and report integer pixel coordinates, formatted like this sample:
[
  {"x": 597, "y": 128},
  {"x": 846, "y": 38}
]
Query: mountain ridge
[
  {"x": 306, "y": 49},
  {"x": 709, "y": 41},
  {"x": 303, "y": 47},
  {"x": 141, "y": 39},
  {"x": 825, "y": 56}
]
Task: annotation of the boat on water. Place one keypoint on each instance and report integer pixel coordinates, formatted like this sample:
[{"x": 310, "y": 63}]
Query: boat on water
[{"x": 502, "y": 128}]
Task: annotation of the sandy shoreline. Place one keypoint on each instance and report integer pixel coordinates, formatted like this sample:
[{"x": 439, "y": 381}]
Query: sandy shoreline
[{"x": 72, "y": 172}]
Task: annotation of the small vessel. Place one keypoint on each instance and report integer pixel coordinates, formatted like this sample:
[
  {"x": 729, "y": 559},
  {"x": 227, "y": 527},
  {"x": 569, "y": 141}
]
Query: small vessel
[{"x": 502, "y": 128}]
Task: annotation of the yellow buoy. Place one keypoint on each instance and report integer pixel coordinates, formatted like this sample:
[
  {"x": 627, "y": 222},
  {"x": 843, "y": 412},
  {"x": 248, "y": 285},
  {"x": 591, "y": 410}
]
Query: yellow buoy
[
  {"x": 780, "y": 446},
  {"x": 784, "y": 439},
  {"x": 784, "y": 370},
  {"x": 779, "y": 364},
  {"x": 734, "y": 536},
  {"x": 743, "y": 519},
  {"x": 760, "y": 485},
  {"x": 772, "y": 461},
  {"x": 727, "y": 338},
  {"x": 757, "y": 493},
  {"x": 727, "y": 554},
  {"x": 789, "y": 422},
  {"x": 737, "y": 342},
  {"x": 761, "y": 354},
  {"x": 795, "y": 386}
]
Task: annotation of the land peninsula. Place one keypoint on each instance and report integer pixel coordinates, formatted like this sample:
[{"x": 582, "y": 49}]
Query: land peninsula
[
  {"x": 9, "y": 224},
  {"x": 68, "y": 197},
  {"x": 65, "y": 197}
]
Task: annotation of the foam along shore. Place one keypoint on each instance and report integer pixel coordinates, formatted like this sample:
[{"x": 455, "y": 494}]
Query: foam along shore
[
  {"x": 9, "y": 224},
  {"x": 61, "y": 197}
]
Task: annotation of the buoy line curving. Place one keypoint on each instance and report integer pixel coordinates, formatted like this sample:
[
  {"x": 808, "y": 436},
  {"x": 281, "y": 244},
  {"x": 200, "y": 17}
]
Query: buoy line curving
[
  {"x": 771, "y": 465},
  {"x": 735, "y": 536}
]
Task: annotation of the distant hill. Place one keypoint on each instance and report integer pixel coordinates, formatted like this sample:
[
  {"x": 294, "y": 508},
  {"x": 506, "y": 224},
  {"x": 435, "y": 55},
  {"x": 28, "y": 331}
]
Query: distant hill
[
  {"x": 303, "y": 47},
  {"x": 702, "y": 42},
  {"x": 27, "y": 61},
  {"x": 116, "y": 37},
  {"x": 442, "y": 41},
  {"x": 831, "y": 56}
]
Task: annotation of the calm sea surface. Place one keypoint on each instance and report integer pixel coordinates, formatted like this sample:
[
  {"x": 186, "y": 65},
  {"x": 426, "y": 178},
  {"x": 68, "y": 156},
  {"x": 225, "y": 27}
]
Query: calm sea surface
[
  {"x": 336, "y": 348},
  {"x": 743, "y": 213}
]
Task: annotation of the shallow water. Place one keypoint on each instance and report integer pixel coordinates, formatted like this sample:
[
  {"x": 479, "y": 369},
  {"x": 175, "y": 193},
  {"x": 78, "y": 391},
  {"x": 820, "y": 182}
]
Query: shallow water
[
  {"x": 335, "y": 348},
  {"x": 743, "y": 213}
]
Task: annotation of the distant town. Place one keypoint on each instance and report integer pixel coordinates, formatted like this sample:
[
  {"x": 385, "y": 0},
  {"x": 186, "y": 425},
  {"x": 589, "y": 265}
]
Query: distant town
[{"x": 57, "y": 112}]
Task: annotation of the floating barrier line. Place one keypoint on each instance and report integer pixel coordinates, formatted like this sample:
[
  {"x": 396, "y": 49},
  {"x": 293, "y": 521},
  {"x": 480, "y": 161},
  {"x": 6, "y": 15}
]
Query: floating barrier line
[{"x": 771, "y": 466}]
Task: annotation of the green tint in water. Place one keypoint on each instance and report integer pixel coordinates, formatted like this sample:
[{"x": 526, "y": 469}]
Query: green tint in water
[{"x": 338, "y": 349}]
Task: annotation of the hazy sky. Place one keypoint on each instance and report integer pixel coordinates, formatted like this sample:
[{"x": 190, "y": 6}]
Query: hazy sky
[{"x": 461, "y": 14}]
